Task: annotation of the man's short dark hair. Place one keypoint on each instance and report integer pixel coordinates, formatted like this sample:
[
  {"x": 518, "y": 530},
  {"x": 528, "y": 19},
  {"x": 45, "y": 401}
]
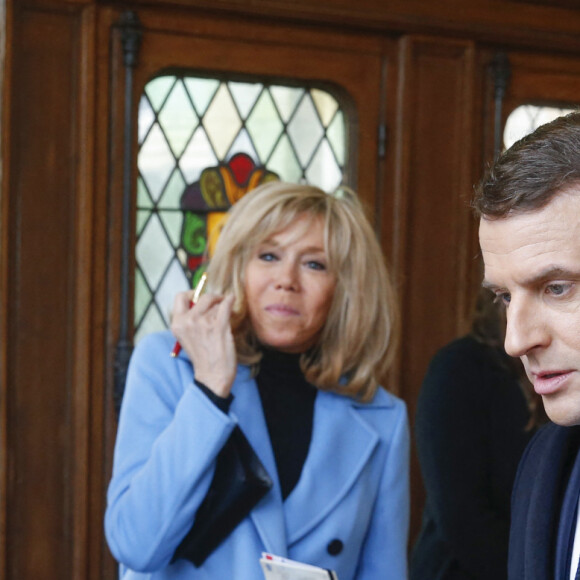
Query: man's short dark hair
[{"x": 527, "y": 175}]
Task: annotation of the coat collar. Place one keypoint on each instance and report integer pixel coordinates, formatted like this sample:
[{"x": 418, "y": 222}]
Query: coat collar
[{"x": 324, "y": 481}]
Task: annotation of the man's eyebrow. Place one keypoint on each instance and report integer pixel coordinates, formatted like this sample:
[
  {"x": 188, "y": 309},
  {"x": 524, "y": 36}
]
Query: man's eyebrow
[{"x": 549, "y": 273}]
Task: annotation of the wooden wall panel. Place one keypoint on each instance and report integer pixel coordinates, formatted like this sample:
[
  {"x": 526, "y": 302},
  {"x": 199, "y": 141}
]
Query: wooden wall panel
[
  {"x": 5, "y": 247},
  {"x": 542, "y": 79},
  {"x": 434, "y": 185},
  {"x": 48, "y": 351}
]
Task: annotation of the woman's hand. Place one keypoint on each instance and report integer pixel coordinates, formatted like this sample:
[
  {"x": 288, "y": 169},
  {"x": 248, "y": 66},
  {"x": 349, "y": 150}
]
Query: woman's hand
[{"x": 205, "y": 334}]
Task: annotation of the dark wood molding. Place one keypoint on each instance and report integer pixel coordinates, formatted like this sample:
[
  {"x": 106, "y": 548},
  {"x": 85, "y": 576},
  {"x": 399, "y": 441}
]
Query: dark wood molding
[{"x": 538, "y": 24}]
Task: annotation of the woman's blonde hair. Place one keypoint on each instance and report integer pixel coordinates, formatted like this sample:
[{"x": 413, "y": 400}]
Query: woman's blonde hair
[{"x": 356, "y": 345}]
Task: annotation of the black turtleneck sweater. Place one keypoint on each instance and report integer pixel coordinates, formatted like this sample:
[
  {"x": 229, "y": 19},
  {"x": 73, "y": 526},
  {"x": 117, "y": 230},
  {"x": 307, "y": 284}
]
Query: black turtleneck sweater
[{"x": 288, "y": 403}]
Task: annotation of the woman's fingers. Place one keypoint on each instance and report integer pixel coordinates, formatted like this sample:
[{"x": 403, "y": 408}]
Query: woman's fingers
[
  {"x": 185, "y": 316},
  {"x": 204, "y": 332},
  {"x": 224, "y": 311},
  {"x": 182, "y": 302},
  {"x": 207, "y": 302}
]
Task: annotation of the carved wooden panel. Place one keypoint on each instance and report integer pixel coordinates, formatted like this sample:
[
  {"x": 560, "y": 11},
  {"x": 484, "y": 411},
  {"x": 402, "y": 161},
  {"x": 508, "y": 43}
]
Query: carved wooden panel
[
  {"x": 48, "y": 355},
  {"x": 539, "y": 23},
  {"x": 435, "y": 179}
]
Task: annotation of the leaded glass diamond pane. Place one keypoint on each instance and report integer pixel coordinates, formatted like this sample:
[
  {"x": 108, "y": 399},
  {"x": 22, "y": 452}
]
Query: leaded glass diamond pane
[
  {"x": 173, "y": 282},
  {"x": 142, "y": 217},
  {"x": 197, "y": 156},
  {"x": 158, "y": 89},
  {"x": 326, "y": 105},
  {"x": 143, "y": 295},
  {"x": 155, "y": 162},
  {"x": 143, "y": 198},
  {"x": 222, "y": 122},
  {"x": 527, "y": 118},
  {"x": 146, "y": 118},
  {"x": 245, "y": 96},
  {"x": 173, "y": 190},
  {"x": 172, "y": 222},
  {"x": 201, "y": 92},
  {"x": 323, "y": 171},
  {"x": 305, "y": 130},
  {"x": 286, "y": 99},
  {"x": 153, "y": 252},
  {"x": 189, "y": 127},
  {"x": 151, "y": 322},
  {"x": 264, "y": 126},
  {"x": 337, "y": 138},
  {"x": 178, "y": 119},
  {"x": 285, "y": 163},
  {"x": 243, "y": 144}
]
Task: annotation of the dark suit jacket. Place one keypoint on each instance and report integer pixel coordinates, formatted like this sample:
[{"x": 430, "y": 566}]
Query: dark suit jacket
[{"x": 537, "y": 516}]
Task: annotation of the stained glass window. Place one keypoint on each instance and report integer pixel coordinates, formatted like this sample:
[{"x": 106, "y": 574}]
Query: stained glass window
[
  {"x": 527, "y": 118},
  {"x": 203, "y": 142}
]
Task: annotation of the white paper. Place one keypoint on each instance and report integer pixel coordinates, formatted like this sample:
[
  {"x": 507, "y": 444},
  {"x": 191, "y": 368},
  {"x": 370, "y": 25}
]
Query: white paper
[{"x": 278, "y": 568}]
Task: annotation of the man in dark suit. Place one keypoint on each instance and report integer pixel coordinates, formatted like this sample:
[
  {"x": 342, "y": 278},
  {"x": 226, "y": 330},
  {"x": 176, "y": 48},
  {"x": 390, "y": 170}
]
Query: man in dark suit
[{"x": 529, "y": 209}]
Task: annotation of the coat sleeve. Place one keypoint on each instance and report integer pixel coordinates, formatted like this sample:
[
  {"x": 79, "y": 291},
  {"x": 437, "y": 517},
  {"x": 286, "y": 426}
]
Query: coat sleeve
[
  {"x": 384, "y": 553},
  {"x": 169, "y": 436}
]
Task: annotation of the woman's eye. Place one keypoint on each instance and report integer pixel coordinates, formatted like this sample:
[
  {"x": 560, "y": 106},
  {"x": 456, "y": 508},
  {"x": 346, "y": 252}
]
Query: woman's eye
[
  {"x": 267, "y": 256},
  {"x": 315, "y": 265}
]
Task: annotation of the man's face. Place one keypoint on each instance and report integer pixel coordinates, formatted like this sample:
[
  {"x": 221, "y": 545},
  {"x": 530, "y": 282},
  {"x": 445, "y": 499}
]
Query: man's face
[{"x": 532, "y": 264}]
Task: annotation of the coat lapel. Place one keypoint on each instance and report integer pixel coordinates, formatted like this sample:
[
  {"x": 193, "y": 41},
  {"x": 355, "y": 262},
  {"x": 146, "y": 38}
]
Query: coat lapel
[
  {"x": 246, "y": 409},
  {"x": 325, "y": 481}
]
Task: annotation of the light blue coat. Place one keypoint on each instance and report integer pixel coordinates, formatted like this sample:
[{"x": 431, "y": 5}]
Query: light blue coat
[{"x": 354, "y": 486}]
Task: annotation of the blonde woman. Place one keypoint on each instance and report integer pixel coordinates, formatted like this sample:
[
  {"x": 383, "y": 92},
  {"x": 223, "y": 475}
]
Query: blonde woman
[{"x": 279, "y": 371}]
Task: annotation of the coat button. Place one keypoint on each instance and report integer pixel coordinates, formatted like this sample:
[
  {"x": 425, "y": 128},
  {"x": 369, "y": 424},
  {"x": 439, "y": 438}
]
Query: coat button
[{"x": 335, "y": 547}]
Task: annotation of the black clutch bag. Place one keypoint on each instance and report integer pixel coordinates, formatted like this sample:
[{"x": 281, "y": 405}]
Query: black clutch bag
[{"x": 240, "y": 481}]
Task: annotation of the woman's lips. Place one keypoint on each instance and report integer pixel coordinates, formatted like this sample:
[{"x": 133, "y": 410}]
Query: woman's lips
[
  {"x": 546, "y": 383},
  {"x": 281, "y": 310}
]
